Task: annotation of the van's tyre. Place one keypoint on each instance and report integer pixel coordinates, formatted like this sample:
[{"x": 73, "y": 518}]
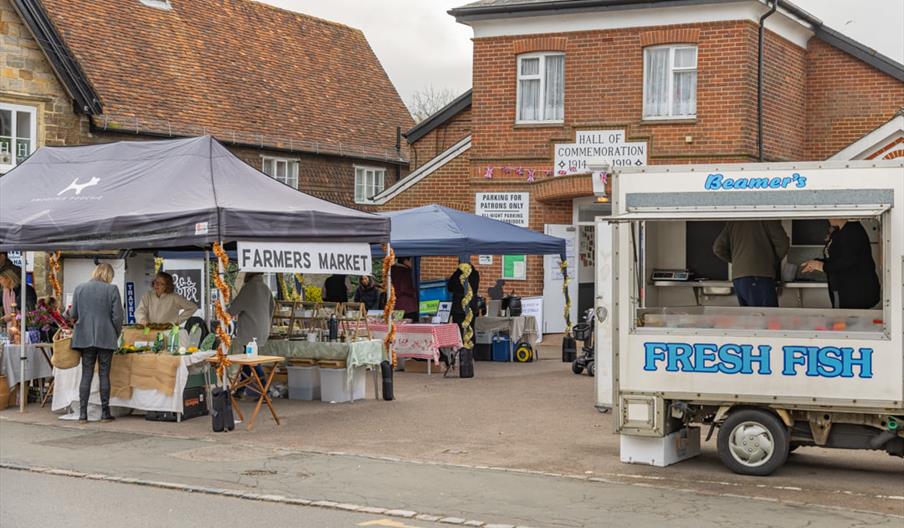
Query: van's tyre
[
  {"x": 753, "y": 442},
  {"x": 591, "y": 369},
  {"x": 576, "y": 368}
]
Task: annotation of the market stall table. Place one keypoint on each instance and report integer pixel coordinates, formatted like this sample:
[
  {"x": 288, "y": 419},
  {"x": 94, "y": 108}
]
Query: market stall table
[
  {"x": 142, "y": 395},
  {"x": 253, "y": 381},
  {"x": 37, "y": 363},
  {"x": 364, "y": 353},
  {"x": 520, "y": 328},
  {"x": 421, "y": 340}
]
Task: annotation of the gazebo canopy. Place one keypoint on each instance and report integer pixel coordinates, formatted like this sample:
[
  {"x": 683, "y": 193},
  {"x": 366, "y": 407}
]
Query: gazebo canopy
[
  {"x": 162, "y": 194},
  {"x": 435, "y": 231}
]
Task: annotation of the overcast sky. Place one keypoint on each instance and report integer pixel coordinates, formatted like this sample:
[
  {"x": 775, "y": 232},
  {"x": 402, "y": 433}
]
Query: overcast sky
[{"x": 420, "y": 45}]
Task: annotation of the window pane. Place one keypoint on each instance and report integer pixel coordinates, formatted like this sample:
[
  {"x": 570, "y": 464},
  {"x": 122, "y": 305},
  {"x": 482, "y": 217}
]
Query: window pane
[
  {"x": 369, "y": 183},
  {"x": 686, "y": 57},
  {"x": 684, "y": 100},
  {"x": 23, "y": 125},
  {"x": 530, "y": 101},
  {"x": 530, "y": 66},
  {"x": 554, "y": 109},
  {"x": 381, "y": 178},
  {"x": 268, "y": 167},
  {"x": 293, "y": 170},
  {"x": 656, "y": 83},
  {"x": 281, "y": 170},
  {"x": 6, "y": 123}
]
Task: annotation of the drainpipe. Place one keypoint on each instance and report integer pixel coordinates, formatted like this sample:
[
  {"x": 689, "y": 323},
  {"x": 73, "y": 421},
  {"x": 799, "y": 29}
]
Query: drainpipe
[{"x": 759, "y": 81}]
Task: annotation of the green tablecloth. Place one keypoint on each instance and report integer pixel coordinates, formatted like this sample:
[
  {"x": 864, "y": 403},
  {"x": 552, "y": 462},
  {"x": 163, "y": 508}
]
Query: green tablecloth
[{"x": 357, "y": 354}]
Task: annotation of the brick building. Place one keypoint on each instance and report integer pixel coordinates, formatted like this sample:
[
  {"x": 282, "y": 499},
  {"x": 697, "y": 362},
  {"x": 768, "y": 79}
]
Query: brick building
[
  {"x": 558, "y": 83},
  {"x": 301, "y": 98}
]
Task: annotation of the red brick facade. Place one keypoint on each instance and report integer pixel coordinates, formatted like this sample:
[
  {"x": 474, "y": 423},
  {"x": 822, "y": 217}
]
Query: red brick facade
[
  {"x": 816, "y": 102},
  {"x": 440, "y": 138}
]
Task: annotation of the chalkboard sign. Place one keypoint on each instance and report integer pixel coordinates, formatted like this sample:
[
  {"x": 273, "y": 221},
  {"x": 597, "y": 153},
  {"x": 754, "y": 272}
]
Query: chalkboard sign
[
  {"x": 187, "y": 283},
  {"x": 809, "y": 232},
  {"x": 699, "y": 250}
]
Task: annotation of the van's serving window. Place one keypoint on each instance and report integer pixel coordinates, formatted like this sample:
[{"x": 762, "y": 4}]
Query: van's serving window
[{"x": 686, "y": 285}]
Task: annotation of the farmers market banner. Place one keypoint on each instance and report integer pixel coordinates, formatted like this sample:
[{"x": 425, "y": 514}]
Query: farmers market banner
[{"x": 312, "y": 257}]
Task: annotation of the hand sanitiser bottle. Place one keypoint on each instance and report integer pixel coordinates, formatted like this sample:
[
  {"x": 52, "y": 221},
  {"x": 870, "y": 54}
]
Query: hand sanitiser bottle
[{"x": 251, "y": 348}]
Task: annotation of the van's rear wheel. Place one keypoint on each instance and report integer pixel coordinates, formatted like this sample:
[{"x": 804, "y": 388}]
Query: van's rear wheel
[{"x": 753, "y": 442}]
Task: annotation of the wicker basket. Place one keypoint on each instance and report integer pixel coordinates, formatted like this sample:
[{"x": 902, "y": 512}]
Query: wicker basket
[{"x": 64, "y": 356}]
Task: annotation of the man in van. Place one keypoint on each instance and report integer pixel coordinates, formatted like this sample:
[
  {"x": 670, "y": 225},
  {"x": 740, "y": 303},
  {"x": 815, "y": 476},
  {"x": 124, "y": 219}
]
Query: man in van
[{"x": 755, "y": 250}]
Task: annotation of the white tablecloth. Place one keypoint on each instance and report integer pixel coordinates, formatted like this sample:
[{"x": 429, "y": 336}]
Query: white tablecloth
[
  {"x": 65, "y": 389},
  {"x": 36, "y": 365}
]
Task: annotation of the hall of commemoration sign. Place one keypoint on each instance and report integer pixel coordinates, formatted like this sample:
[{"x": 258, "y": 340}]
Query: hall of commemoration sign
[
  {"x": 598, "y": 145},
  {"x": 510, "y": 207}
]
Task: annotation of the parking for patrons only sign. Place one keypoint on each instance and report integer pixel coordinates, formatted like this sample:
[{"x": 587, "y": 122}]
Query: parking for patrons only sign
[
  {"x": 510, "y": 207},
  {"x": 598, "y": 145}
]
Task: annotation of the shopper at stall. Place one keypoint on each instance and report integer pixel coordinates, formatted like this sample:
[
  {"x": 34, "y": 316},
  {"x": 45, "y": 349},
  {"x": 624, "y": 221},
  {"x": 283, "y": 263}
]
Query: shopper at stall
[
  {"x": 6, "y": 263},
  {"x": 252, "y": 309},
  {"x": 848, "y": 263},
  {"x": 403, "y": 285},
  {"x": 97, "y": 311},
  {"x": 335, "y": 289},
  {"x": 12, "y": 295},
  {"x": 368, "y": 292},
  {"x": 755, "y": 250},
  {"x": 457, "y": 289},
  {"x": 161, "y": 305}
]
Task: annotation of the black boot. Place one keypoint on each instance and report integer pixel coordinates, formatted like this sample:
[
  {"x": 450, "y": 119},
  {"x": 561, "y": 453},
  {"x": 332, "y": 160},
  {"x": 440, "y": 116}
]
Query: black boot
[
  {"x": 105, "y": 415},
  {"x": 83, "y": 414}
]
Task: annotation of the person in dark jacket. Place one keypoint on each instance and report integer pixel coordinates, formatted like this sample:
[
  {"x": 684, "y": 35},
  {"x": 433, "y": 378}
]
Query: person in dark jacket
[
  {"x": 334, "y": 289},
  {"x": 457, "y": 289},
  {"x": 10, "y": 287},
  {"x": 848, "y": 263},
  {"x": 97, "y": 310},
  {"x": 754, "y": 249},
  {"x": 368, "y": 293}
]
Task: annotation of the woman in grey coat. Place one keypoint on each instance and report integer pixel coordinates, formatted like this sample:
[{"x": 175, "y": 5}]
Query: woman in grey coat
[{"x": 97, "y": 310}]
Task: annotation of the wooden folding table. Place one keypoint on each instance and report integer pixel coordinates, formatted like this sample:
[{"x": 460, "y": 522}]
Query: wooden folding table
[{"x": 253, "y": 381}]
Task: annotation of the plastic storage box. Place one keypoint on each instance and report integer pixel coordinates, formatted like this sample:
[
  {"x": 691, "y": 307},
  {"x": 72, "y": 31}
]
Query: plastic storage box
[
  {"x": 334, "y": 389},
  {"x": 502, "y": 348},
  {"x": 304, "y": 382}
]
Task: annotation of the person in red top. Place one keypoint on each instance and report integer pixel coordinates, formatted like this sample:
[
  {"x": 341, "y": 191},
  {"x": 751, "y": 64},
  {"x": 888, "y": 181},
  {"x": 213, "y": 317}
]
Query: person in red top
[{"x": 403, "y": 284}]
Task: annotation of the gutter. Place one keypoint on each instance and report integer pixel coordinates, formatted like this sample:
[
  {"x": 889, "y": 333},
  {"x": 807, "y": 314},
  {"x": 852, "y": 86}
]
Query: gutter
[{"x": 759, "y": 81}]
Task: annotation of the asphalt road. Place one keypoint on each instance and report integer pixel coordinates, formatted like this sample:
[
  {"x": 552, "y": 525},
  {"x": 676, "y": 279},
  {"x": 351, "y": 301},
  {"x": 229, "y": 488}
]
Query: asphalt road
[{"x": 32, "y": 499}]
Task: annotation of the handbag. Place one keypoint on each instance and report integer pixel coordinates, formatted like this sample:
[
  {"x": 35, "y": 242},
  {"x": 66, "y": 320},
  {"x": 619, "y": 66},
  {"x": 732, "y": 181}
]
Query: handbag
[{"x": 64, "y": 356}]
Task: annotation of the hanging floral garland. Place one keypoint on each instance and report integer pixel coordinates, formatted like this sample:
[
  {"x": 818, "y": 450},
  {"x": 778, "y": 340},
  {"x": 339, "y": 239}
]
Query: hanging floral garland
[
  {"x": 223, "y": 329},
  {"x": 564, "y": 267},
  {"x": 390, "y": 304},
  {"x": 54, "y": 262},
  {"x": 466, "y": 305}
]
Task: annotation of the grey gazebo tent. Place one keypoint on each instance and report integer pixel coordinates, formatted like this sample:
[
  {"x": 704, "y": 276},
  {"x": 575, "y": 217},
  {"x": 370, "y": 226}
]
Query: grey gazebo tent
[{"x": 161, "y": 194}]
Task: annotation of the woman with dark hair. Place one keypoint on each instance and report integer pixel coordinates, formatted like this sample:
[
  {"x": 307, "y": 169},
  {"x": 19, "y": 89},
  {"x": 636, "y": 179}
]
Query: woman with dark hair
[
  {"x": 161, "y": 305},
  {"x": 97, "y": 310},
  {"x": 848, "y": 263},
  {"x": 368, "y": 293}
]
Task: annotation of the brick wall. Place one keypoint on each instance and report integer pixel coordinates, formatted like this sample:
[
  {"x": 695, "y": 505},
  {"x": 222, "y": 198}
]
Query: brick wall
[
  {"x": 440, "y": 139},
  {"x": 846, "y": 99}
]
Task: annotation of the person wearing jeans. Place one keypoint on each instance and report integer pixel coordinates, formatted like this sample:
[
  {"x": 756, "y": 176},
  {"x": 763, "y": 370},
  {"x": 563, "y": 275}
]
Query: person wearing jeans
[
  {"x": 98, "y": 314},
  {"x": 755, "y": 250}
]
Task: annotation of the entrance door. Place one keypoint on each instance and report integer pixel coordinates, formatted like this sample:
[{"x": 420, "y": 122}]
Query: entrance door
[{"x": 553, "y": 297}]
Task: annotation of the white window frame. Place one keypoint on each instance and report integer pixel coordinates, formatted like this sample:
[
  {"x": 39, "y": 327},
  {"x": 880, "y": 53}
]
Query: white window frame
[
  {"x": 291, "y": 177},
  {"x": 362, "y": 196},
  {"x": 541, "y": 76},
  {"x": 672, "y": 70},
  {"x": 33, "y": 133}
]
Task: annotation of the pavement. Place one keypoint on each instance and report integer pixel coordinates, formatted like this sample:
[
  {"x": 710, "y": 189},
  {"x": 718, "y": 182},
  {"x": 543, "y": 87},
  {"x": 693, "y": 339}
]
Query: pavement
[
  {"x": 381, "y": 486},
  {"x": 534, "y": 419}
]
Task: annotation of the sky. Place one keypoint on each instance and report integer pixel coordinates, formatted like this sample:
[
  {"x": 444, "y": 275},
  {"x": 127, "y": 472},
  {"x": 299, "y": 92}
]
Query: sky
[{"x": 420, "y": 45}]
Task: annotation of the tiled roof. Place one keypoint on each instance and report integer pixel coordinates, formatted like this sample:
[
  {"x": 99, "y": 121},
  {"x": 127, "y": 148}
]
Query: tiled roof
[{"x": 237, "y": 69}]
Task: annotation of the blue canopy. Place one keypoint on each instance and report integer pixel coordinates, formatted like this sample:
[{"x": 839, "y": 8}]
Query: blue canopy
[{"x": 437, "y": 231}]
